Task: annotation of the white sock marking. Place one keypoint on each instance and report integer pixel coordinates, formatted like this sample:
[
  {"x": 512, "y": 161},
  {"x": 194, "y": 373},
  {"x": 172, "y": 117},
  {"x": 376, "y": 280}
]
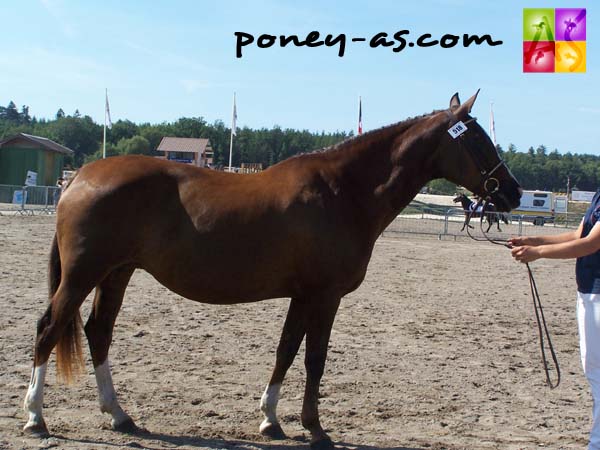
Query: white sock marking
[
  {"x": 107, "y": 395},
  {"x": 34, "y": 400},
  {"x": 268, "y": 405}
]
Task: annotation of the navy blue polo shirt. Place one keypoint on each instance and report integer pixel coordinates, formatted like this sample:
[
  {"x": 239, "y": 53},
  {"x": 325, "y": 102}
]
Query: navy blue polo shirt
[{"x": 587, "y": 269}]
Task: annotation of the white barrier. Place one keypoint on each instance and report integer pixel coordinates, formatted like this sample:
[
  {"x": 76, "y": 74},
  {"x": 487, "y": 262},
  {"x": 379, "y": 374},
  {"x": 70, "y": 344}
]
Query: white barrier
[
  {"x": 28, "y": 199},
  {"x": 420, "y": 219}
]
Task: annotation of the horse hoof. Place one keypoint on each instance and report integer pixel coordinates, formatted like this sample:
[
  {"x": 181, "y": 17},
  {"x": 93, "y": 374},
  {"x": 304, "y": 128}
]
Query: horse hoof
[
  {"x": 127, "y": 427},
  {"x": 39, "y": 431},
  {"x": 323, "y": 444},
  {"x": 272, "y": 431}
]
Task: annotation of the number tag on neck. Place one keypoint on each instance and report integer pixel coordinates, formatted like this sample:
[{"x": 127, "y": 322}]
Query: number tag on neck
[{"x": 457, "y": 129}]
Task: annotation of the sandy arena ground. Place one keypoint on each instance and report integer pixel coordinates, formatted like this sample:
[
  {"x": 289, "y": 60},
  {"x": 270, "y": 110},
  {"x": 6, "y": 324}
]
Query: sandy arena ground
[{"x": 438, "y": 349}]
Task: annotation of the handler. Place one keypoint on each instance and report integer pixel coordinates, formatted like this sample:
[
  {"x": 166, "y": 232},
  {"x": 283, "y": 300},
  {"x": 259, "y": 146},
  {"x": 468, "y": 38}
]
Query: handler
[{"x": 583, "y": 244}]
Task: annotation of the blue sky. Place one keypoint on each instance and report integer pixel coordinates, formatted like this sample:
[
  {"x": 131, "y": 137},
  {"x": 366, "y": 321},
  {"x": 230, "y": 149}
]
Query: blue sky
[{"x": 162, "y": 60}]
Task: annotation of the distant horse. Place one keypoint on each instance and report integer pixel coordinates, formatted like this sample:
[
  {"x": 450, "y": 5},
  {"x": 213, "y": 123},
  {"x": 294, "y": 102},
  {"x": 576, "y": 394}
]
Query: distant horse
[
  {"x": 304, "y": 228},
  {"x": 471, "y": 210}
]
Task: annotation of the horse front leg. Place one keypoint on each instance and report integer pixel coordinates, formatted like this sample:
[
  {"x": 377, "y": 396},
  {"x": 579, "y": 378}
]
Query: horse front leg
[
  {"x": 289, "y": 343},
  {"x": 490, "y": 223},
  {"x": 99, "y": 330},
  {"x": 466, "y": 223},
  {"x": 321, "y": 316}
]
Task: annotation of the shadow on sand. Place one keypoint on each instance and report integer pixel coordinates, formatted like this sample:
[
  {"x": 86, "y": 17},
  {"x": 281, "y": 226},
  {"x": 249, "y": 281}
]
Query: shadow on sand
[{"x": 148, "y": 440}]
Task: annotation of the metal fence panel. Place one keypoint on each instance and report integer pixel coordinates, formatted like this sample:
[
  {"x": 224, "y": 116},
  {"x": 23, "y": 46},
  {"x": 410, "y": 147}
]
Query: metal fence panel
[
  {"x": 28, "y": 199},
  {"x": 444, "y": 221}
]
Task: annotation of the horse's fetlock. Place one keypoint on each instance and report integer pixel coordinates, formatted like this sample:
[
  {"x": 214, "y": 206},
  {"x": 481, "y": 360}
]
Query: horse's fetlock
[{"x": 309, "y": 422}]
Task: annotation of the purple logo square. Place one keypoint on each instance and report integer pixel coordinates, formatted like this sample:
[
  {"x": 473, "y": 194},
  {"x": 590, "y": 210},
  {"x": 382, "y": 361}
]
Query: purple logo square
[{"x": 569, "y": 24}]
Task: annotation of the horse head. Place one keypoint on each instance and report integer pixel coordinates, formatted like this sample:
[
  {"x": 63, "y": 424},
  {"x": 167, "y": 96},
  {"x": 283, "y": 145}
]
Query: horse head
[
  {"x": 468, "y": 157},
  {"x": 458, "y": 198}
]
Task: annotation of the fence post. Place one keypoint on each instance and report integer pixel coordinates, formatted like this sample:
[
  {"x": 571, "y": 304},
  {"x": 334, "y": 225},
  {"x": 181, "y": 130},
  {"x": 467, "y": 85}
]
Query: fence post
[
  {"x": 23, "y": 197},
  {"x": 520, "y": 225},
  {"x": 446, "y": 219}
]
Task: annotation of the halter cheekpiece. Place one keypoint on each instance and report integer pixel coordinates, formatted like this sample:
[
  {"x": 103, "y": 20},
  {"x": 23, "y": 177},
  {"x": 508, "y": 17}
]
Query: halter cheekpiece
[{"x": 491, "y": 185}]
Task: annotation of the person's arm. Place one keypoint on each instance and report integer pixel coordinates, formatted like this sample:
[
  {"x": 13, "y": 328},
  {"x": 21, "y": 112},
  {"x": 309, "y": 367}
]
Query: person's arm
[
  {"x": 547, "y": 239},
  {"x": 574, "y": 248}
]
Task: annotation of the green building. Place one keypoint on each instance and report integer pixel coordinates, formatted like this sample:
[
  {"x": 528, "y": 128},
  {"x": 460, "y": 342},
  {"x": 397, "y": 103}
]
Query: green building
[{"x": 24, "y": 152}]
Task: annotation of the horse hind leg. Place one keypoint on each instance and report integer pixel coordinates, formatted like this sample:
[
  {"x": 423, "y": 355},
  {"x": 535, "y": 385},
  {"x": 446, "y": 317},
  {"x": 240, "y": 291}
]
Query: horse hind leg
[
  {"x": 59, "y": 327},
  {"x": 98, "y": 329}
]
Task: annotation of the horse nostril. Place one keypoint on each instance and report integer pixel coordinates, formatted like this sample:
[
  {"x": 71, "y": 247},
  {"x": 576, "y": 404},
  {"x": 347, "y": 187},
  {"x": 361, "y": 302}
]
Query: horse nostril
[{"x": 520, "y": 189}]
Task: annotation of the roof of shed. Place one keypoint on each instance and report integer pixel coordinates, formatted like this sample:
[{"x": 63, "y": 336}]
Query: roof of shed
[
  {"x": 42, "y": 141},
  {"x": 190, "y": 145}
]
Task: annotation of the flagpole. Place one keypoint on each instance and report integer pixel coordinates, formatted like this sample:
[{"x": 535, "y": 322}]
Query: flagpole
[
  {"x": 492, "y": 125},
  {"x": 233, "y": 117},
  {"x": 360, "y": 115},
  {"x": 104, "y": 140}
]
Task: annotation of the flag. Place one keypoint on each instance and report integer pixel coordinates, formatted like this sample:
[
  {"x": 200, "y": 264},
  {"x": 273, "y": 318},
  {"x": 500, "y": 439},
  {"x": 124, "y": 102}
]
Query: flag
[
  {"x": 492, "y": 125},
  {"x": 359, "y": 115},
  {"x": 107, "y": 112},
  {"x": 233, "y": 132},
  {"x": 234, "y": 119}
]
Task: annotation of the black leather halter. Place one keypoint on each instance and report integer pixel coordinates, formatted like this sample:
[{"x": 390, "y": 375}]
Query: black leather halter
[{"x": 491, "y": 184}]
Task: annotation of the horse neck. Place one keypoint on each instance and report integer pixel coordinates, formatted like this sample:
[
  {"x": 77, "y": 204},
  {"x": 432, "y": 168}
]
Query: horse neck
[
  {"x": 466, "y": 202},
  {"x": 384, "y": 170}
]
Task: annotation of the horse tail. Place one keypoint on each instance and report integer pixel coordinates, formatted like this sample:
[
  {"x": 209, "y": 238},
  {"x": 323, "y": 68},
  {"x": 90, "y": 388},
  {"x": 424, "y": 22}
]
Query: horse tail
[
  {"x": 54, "y": 269},
  {"x": 69, "y": 356}
]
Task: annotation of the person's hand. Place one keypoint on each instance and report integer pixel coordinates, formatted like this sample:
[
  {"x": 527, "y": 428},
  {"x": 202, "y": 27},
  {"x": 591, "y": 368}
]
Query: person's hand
[
  {"x": 525, "y": 253},
  {"x": 518, "y": 241}
]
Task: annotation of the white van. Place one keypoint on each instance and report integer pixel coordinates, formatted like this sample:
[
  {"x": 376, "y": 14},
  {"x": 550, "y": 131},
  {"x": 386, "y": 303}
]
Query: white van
[{"x": 541, "y": 206}]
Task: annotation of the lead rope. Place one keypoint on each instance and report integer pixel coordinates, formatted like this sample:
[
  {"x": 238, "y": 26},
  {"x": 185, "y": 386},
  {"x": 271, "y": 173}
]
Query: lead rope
[
  {"x": 539, "y": 313},
  {"x": 537, "y": 302}
]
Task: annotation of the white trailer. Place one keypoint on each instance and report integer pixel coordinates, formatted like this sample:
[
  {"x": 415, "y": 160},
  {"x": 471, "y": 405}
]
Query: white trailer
[{"x": 541, "y": 206}]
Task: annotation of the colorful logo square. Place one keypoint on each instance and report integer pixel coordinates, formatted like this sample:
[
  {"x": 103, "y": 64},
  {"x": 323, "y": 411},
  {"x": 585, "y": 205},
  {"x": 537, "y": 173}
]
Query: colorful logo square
[
  {"x": 538, "y": 24},
  {"x": 554, "y": 40},
  {"x": 570, "y": 24},
  {"x": 570, "y": 56},
  {"x": 538, "y": 56}
]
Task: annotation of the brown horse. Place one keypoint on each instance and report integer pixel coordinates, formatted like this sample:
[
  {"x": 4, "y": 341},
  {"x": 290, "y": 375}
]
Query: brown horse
[
  {"x": 473, "y": 210},
  {"x": 304, "y": 228}
]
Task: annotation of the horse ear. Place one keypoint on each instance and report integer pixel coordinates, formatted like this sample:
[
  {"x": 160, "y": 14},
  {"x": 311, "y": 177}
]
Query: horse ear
[
  {"x": 454, "y": 102},
  {"x": 466, "y": 107}
]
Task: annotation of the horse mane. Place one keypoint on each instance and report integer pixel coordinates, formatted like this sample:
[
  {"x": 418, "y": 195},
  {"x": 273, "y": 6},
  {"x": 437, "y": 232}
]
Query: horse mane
[{"x": 379, "y": 134}]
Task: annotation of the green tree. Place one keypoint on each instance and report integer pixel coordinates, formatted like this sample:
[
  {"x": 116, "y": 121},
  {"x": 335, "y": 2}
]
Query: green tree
[
  {"x": 442, "y": 187},
  {"x": 24, "y": 117},
  {"x": 122, "y": 129},
  {"x": 81, "y": 135},
  {"x": 10, "y": 114},
  {"x": 137, "y": 145}
]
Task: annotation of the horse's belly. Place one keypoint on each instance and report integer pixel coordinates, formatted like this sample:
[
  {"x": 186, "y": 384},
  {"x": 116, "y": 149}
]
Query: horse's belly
[{"x": 223, "y": 287}]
